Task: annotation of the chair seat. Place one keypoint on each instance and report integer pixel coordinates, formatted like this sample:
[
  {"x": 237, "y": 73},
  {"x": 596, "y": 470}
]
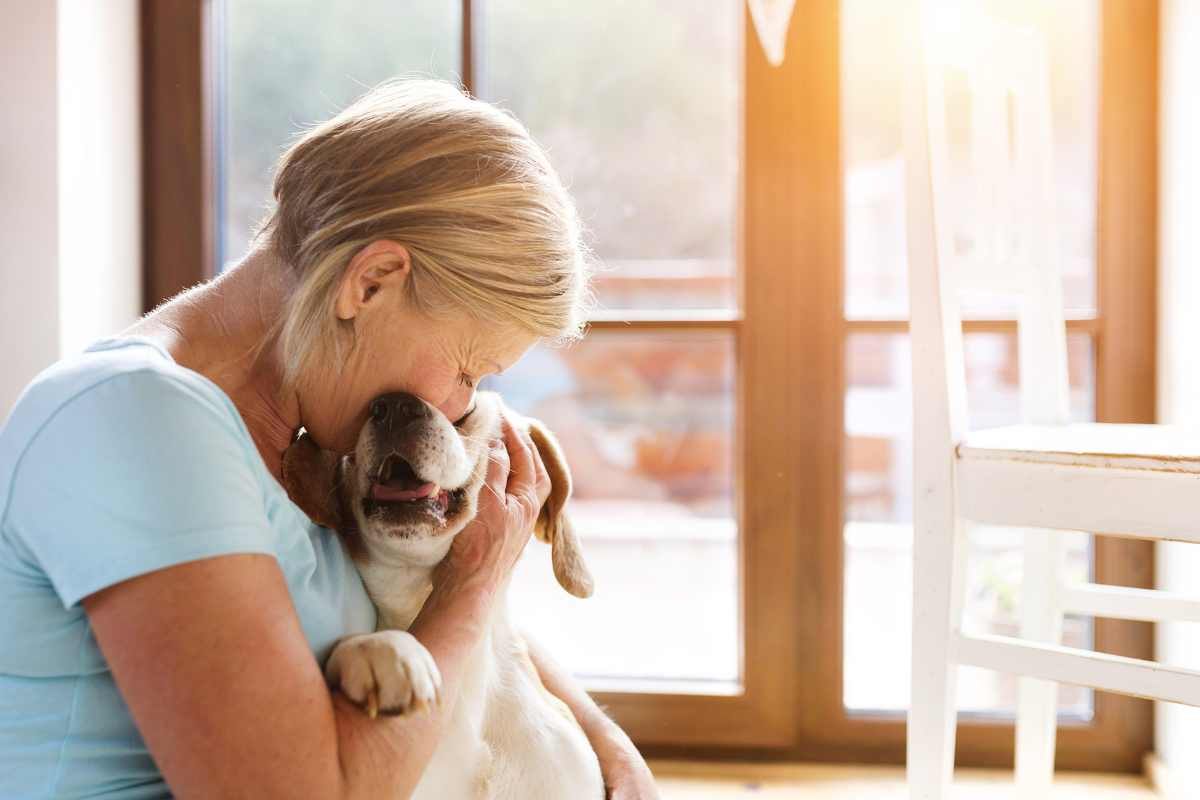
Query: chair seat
[{"x": 1161, "y": 448}]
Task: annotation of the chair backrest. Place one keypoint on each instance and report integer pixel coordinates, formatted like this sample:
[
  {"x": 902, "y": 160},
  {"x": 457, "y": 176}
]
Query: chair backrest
[{"x": 997, "y": 237}]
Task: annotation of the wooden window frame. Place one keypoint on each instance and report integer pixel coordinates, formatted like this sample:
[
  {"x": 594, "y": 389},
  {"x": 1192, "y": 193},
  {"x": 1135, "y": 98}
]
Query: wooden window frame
[
  {"x": 178, "y": 160},
  {"x": 791, "y": 380}
]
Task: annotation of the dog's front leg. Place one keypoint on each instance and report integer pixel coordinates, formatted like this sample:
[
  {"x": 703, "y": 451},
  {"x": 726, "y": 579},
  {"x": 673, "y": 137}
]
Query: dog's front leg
[{"x": 387, "y": 672}]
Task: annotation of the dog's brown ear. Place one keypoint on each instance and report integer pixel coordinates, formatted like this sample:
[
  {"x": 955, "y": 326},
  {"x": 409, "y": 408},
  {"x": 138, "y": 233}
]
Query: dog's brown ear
[
  {"x": 553, "y": 524},
  {"x": 310, "y": 477}
]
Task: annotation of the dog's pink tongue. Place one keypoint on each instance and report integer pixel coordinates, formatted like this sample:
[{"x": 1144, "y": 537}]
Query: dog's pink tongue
[{"x": 381, "y": 491}]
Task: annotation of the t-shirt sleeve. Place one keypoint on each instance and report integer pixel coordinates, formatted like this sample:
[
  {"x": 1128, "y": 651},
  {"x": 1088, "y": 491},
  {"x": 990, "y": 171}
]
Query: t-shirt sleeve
[{"x": 139, "y": 472}]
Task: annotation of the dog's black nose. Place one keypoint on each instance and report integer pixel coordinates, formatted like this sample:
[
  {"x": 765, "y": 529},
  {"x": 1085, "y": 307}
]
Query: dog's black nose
[{"x": 398, "y": 409}]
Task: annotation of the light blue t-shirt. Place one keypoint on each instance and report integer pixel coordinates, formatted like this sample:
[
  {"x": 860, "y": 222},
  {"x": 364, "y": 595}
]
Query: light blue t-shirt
[{"x": 115, "y": 463}]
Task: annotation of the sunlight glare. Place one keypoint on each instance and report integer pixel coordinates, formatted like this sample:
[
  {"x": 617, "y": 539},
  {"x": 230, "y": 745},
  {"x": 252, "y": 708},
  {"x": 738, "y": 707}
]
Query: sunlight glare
[{"x": 951, "y": 31}]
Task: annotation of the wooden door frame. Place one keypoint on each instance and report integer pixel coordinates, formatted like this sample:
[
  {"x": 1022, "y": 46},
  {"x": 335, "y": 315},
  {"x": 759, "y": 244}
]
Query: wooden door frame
[
  {"x": 790, "y": 408},
  {"x": 790, "y": 390},
  {"x": 178, "y": 169},
  {"x": 1127, "y": 345}
]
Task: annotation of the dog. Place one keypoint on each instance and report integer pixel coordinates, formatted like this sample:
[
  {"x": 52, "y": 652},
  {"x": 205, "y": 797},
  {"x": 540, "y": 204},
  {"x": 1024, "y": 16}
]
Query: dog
[{"x": 410, "y": 486}]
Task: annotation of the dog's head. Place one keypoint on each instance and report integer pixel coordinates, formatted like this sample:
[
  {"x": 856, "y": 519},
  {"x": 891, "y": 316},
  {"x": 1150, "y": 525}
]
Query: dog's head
[{"x": 413, "y": 483}]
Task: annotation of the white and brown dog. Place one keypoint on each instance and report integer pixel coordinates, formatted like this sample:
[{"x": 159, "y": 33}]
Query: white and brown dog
[{"x": 398, "y": 501}]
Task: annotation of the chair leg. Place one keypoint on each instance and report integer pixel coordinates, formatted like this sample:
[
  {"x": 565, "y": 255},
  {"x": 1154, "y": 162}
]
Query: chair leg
[
  {"x": 939, "y": 564},
  {"x": 1037, "y": 700}
]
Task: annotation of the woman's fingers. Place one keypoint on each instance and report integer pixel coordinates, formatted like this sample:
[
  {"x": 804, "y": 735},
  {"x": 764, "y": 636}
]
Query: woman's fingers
[
  {"x": 537, "y": 479},
  {"x": 473, "y": 550},
  {"x": 497, "y": 478},
  {"x": 523, "y": 475},
  {"x": 508, "y": 505}
]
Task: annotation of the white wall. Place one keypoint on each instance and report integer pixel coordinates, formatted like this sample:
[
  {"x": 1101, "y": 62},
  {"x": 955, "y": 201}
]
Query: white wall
[
  {"x": 70, "y": 201},
  {"x": 28, "y": 193},
  {"x": 1178, "y": 565},
  {"x": 99, "y": 170}
]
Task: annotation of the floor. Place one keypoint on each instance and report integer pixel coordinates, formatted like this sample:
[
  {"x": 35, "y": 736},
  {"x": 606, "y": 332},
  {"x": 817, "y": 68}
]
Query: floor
[{"x": 691, "y": 781}]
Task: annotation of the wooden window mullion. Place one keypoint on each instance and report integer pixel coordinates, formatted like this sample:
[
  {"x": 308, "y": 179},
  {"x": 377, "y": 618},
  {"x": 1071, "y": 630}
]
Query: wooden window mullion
[{"x": 178, "y": 183}]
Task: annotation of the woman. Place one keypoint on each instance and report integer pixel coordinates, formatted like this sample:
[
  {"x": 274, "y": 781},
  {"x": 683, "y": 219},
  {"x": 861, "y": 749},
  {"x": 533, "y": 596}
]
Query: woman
[{"x": 163, "y": 599}]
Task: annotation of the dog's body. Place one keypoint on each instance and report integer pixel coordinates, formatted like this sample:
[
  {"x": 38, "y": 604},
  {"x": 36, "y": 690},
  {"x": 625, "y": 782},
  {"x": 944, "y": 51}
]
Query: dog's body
[
  {"x": 410, "y": 487},
  {"x": 508, "y": 738}
]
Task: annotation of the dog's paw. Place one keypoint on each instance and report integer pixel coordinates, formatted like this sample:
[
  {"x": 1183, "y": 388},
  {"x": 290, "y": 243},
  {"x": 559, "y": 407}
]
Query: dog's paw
[{"x": 387, "y": 672}]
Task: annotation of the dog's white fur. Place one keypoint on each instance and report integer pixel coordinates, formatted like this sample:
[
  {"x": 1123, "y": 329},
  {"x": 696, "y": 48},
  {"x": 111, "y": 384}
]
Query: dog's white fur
[{"x": 508, "y": 738}]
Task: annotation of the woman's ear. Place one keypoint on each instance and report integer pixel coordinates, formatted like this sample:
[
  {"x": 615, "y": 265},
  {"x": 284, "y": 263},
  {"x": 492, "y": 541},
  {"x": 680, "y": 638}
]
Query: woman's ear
[
  {"x": 553, "y": 524},
  {"x": 310, "y": 477},
  {"x": 381, "y": 265}
]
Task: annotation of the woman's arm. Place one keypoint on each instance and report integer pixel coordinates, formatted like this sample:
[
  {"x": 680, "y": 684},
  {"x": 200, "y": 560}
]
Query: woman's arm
[
  {"x": 626, "y": 776},
  {"x": 214, "y": 665}
]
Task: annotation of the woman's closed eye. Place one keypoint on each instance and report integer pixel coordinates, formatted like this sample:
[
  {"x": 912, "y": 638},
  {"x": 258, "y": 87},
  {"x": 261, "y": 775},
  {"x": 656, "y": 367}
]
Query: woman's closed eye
[{"x": 469, "y": 412}]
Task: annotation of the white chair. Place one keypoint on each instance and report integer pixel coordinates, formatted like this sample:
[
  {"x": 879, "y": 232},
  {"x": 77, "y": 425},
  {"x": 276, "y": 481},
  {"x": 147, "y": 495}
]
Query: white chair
[{"x": 1045, "y": 475}]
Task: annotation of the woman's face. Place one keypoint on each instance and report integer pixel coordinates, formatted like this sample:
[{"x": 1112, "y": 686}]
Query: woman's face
[
  {"x": 399, "y": 349},
  {"x": 439, "y": 360}
]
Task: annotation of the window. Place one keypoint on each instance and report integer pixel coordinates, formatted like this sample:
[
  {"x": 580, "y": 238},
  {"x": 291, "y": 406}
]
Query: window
[
  {"x": 647, "y": 420},
  {"x": 290, "y": 63},
  {"x": 737, "y": 417}
]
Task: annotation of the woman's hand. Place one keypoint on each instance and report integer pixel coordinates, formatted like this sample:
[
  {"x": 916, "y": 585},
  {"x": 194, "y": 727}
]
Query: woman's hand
[{"x": 484, "y": 553}]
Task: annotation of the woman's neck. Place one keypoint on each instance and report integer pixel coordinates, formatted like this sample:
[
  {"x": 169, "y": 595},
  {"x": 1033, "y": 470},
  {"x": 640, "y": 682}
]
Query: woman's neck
[{"x": 218, "y": 329}]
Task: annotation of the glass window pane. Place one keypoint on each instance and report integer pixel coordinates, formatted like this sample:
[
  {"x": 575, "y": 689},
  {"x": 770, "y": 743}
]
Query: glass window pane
[
  {"x": 290, "y": 63},
  {"x": 646, "y": 422},
  {"x": 638, "y": 105},
  {"x": 878, "y": 527},
  {"x": 872, "y": 69}
]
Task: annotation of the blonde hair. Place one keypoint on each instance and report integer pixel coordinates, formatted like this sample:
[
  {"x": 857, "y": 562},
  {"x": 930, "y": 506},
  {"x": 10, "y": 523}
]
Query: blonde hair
[{"x": 461, "y": 184}]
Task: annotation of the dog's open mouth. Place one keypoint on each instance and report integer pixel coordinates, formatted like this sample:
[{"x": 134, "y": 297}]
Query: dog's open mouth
[{"x": 398, "y": 489}]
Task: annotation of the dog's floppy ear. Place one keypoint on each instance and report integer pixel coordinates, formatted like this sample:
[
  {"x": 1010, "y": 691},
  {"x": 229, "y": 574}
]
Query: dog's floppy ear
[
  {"x": 553, "y": 524},
  {"x": 310, "y": 476}
]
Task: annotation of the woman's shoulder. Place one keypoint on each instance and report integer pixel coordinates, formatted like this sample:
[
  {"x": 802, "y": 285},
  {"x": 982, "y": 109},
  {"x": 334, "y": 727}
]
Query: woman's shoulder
[
  {"x": 122, "y": 406},
  {"x": 124, "y": 367},
  {"x": 120, "y": 451},
  {"x": 130, "y": 380}
]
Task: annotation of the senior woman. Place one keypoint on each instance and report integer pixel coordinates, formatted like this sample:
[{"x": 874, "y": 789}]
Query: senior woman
[{"x": 166, "y": 608}]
